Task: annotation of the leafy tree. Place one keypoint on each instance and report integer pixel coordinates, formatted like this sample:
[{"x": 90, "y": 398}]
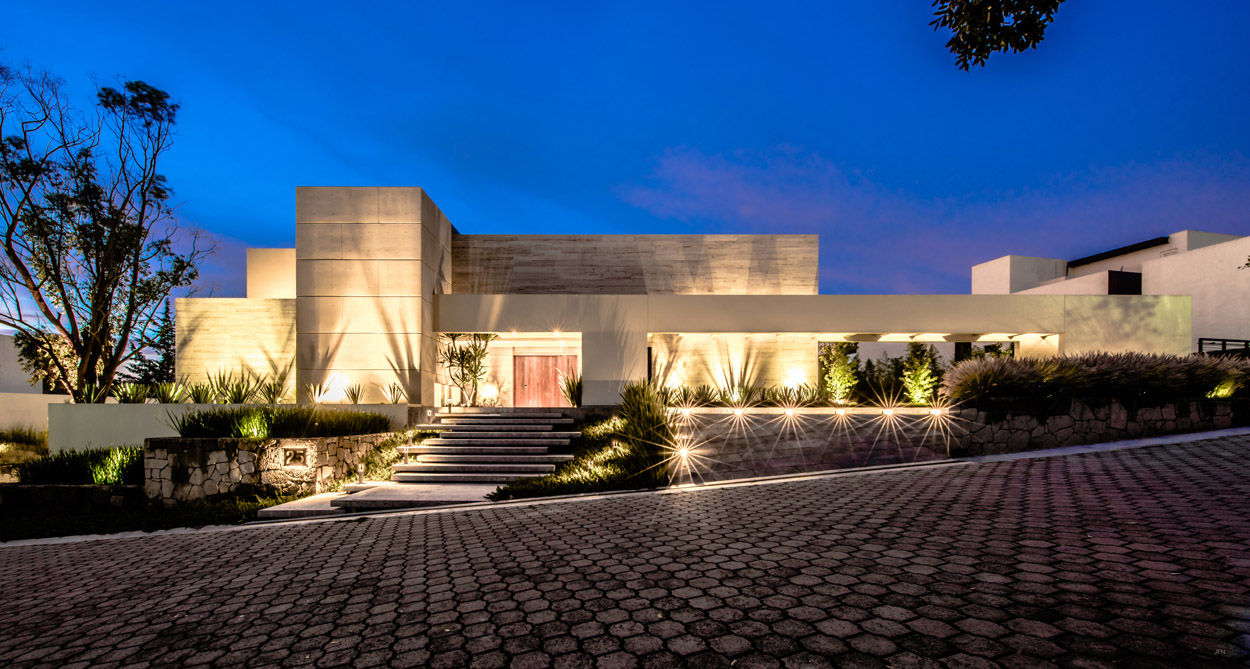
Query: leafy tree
[
  {"x": 840, "y": 371},
  {"x": 465, "y": 358},
  {"x": 981, "y": 28},
  {"x": 921, "y": 373},
  {"x": 90, "y": 249}
]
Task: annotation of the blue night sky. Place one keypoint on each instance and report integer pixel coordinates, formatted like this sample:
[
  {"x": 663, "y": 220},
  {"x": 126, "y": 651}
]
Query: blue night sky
[{"x": 845, "y": 119}]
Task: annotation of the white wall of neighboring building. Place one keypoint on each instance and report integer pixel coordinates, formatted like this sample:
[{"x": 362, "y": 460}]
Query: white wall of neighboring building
[
  {"x": 1203, "y": 265},
  {"x": 1213, "y": 276},
  {"x": 13, "y": 379}
]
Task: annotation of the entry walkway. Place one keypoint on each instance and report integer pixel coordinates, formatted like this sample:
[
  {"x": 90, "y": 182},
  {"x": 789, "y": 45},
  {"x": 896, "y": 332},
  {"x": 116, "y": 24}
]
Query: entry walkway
[{"x": 1139, "y": 557}]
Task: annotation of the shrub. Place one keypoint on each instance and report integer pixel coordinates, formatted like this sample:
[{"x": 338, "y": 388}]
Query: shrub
[
  {"x": 921, "y": 373},
  {"x": 840, "y": 371},
  {"x": 601, "y": 462},
  {"x": 94, "y": 465},
  {"x": 571, "y": 388},
  {"x": 648, "y": 430},
  {"x": 278, "y": 422},
  {"x": 1127, "y": 377},
  {"x": 25, "y": 437}
]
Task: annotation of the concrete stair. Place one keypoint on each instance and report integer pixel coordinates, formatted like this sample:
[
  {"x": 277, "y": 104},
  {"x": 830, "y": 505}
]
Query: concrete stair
[{"x": 486, "y": 448}]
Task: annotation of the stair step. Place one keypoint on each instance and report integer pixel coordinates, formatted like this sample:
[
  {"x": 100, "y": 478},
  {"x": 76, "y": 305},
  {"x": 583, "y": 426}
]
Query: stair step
[
  {"x": 501, "y": 434},
  {"x": 474, "y": 427},
  {"x": 473, "y": 468},
  {"x": 405, "y": 477},
  {"x": 505, "y": 420},
  {"x": 479, "y": 441},
  {"x": 475, "y": 450},
  {"x": 462, "y": 458}
]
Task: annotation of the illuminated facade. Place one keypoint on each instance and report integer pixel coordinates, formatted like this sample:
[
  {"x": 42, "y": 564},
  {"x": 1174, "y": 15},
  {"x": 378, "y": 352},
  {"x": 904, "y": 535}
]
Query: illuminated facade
[{"x": 379, "y": 273}]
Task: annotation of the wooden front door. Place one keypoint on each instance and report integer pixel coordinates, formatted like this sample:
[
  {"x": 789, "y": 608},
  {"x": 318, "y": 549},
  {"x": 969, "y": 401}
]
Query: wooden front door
[{"x": 536, "y": 379}]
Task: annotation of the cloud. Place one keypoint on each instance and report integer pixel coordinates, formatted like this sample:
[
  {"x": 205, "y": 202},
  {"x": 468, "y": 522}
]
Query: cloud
[{"x": 879, "y": 239}]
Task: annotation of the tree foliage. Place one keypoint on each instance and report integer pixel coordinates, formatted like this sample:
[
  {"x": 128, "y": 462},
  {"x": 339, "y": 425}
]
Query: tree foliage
[
  {"x": 90, "y": 249},
  {"x": 840, "y": 370},
  {"x": 464, "y": 356},
  {"x": 980, "y": 28}
]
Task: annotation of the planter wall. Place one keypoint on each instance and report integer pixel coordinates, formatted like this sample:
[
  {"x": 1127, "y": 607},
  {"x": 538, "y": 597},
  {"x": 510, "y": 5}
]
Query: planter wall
[
  {"x": 195, "y": 469},
  {"x": 768, "y": 442},
  {"x": 74, "y": 427}
]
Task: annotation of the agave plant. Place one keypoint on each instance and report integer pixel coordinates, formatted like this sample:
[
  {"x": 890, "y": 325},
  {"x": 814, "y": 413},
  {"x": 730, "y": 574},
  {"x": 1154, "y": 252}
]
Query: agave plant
[
  {"x": 353, "y": 393},
  {"x": 94, "y": 394},
  {"x": 394, "y": 393},
  {"x": 169, "y": 392},
  {"x": 130, "y": 393},
  {"x": 738, "y": 397},
  {"x": 791, "y": 397},
  {"x": 231, "y": 388},
  {"x": 316, "y": 392},
  {"x": 202, "y": 393},
  {"x": 272, "y": 392}
]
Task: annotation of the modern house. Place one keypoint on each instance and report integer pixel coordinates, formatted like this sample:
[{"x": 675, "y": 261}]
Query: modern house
[
  {"x": 1207, "y": 266},
  {"x": 378, "y": 274}
]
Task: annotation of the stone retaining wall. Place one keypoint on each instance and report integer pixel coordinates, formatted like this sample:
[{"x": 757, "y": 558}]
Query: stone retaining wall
[
  {"x": 194, "y": 469},
  {"x": 1012, "y": 426}
]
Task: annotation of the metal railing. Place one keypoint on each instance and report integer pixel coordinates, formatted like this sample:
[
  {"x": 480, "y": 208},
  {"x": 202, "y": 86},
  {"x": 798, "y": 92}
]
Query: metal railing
[{"x": 1230, "y": 347}]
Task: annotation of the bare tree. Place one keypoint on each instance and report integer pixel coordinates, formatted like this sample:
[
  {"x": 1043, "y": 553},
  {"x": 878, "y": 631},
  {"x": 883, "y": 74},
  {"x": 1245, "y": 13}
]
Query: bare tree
[{"x": 91, "y": 248}]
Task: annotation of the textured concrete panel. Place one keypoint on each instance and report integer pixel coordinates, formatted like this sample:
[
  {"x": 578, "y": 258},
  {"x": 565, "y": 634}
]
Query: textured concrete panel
[
  {"x": 635, "y": 264},
  {"x": 336, "y": 278},
  {"x": 348, "y": 351},
  {"x": 271, "y": 273},
  {"x": 317, "y": 241},
  {"x": 232, "y": 334},
  {"x": 314, "y": 204},
  {"x": 379, "y": 241},
  {"x": 362, "y": 314}
]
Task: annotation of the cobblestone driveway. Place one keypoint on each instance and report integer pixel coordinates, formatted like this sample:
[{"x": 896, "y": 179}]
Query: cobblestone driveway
[{"x": 1138, "y": 557}]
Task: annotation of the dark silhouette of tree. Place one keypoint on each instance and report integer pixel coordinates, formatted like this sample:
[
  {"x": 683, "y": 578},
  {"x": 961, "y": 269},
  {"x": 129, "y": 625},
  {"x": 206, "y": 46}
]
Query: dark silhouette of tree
[
  {"x": 981, "y": 28},
  {"x": 90, "y": 249},
  {"x": 158, "y": 365}
]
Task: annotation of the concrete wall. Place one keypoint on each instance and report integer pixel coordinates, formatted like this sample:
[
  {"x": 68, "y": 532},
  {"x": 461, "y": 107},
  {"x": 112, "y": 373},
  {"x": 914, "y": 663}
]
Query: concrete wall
[
  {"x": 232, "y": 334},
  {"x": 615, "y": 328},
  {"x": 635, "y": 264},
  {"x": 1212, "y": 275},
  {"x": 368, "y": 264},
  {"x": 1179, "y": 243},
  {"x": 726, "y": 360},
  {"x": 74, "y": 427},
  {"x": 271, "y": 273}
]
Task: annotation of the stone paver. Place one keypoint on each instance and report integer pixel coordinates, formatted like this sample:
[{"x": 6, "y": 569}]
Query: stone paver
[{"x": 1137, "y": 558}]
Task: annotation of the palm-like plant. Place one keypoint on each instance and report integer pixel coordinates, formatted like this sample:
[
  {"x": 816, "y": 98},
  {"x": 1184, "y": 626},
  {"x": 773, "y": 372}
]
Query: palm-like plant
[
  {"x": 169, "y": 392},
  {"x": 394, "y": 393},
  {"x": 571, "y": 388},
  {"x": 353, "y": 393},
  {"x": 130, "y": 393}
]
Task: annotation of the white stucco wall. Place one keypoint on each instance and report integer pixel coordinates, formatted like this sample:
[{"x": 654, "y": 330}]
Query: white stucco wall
[
  {"x": 1010, "y": 274},
  {"x": 1211, "y": 275},
  {"x": 13, "y": 379}
]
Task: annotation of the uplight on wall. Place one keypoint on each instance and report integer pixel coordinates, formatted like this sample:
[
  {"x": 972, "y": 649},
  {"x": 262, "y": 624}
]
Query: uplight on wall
[
  {"x": 795, "y": 377},
  {"x": 490, "y": 391}
]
